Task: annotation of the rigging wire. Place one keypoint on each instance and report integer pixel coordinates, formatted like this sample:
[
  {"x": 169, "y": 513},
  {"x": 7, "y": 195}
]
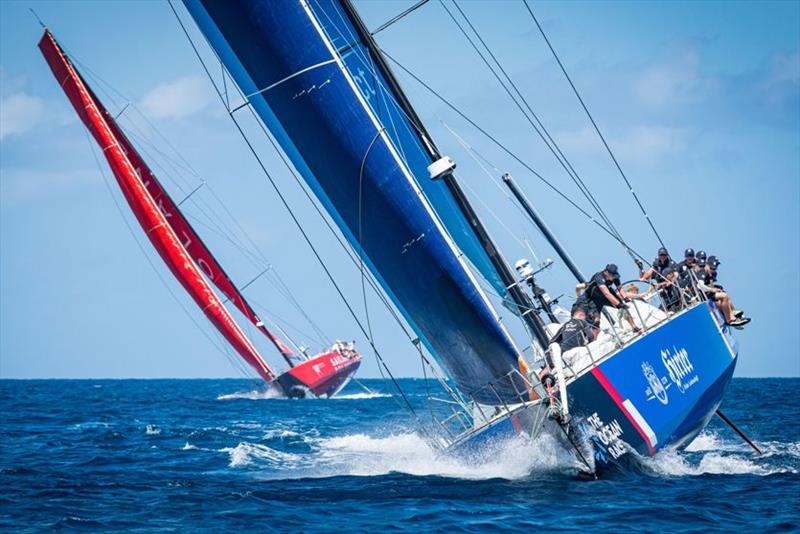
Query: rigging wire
[
  {"x": 511, "y": 154},
  {"x": 594, "y": 124},
  {"x": 399, "y": 16},
  {"x": 537, "y": 126},
  {"x": 215, "y": 223},
  {"x": 296, "y": 221},
  {"x": 482, "y": 162},
  {"x": 178, "y": 168}
]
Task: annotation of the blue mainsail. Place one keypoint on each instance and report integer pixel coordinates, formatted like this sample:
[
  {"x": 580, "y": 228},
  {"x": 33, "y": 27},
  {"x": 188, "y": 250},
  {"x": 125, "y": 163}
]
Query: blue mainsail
[
  {"x": 407, "y": 139},
  {"x": 286, "y": 64}
]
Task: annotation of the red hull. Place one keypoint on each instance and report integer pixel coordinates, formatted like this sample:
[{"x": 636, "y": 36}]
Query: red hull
[{"x": 323, "y": 375}]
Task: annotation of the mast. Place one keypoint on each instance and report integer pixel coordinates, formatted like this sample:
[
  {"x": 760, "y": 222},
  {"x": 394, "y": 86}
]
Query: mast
[
  {"x": 542, "y": 226},
  {"x": 518, "y": 295}
]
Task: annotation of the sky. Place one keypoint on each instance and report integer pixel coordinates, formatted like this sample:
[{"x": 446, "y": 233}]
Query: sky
[{"x": 700, "y": 102}]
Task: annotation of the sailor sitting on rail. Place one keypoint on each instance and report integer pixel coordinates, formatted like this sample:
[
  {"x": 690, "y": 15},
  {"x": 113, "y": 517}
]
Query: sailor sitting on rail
[{"x": 706, "y": 282}]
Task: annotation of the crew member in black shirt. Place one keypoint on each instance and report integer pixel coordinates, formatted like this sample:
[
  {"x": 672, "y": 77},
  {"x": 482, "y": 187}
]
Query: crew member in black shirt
[
  {"x": 687, "y": 263},
  {"x": 604, "y": 289},
  {"x": 662, "y": 262},
  {"x": 668, "y": 289},
  {"x": 577, "y": 332}
]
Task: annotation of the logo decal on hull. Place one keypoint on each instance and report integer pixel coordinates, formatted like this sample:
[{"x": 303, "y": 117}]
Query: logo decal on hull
[
  {"x": 680, "y": 368},
  {"x": 608, "y": 434},
  {"x": 658, "y": 386}
]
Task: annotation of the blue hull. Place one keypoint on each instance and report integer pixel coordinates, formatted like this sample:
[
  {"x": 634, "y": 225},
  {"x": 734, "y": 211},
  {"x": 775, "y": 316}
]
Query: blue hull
[{"x": 660, "y": 391}]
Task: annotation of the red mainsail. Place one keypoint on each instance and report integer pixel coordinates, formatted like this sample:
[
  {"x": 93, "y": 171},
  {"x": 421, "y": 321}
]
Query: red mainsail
[
  {"x": 166, "y": 228},
  {"x": 190, "y": 240}
]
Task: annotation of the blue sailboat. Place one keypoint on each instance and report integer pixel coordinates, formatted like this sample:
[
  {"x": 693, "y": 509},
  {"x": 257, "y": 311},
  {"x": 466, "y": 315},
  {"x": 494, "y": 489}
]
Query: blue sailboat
[{"x": 314, "y": 76}]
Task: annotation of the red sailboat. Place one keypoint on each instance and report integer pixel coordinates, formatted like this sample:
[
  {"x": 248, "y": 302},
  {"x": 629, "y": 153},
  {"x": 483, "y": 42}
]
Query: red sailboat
[{"x": 182, "y": 250}]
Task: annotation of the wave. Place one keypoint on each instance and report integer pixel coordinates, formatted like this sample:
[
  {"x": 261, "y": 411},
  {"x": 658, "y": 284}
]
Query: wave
[
  {"x": 274, "y": 393},
  {"x": 152, "y": 430},
  {"x": 718, "y": 456},
  {"x": 362, "y": 454},
  {"x": 88, "y": 425},
  {"x": 411, "y": 454},
  {"x": 362, "y": 396},
  {"x": 280, "y": 433},
  {"x": 256, "y": 394},
  {"x": 408, "y": 453},
  {"x": 246, "y": 453}
]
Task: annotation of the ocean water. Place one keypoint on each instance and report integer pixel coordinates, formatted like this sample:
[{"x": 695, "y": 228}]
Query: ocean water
[{"x": 219, "y": 455}]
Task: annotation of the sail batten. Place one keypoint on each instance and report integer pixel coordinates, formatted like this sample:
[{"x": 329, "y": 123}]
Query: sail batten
[
  {"x": 153, "y": 209},
  {"x": 343, "y": 151}
]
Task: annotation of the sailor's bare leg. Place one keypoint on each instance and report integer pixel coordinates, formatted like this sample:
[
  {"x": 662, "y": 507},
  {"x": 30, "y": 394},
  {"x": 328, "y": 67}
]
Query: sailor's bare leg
[{"x": 724, "y": 304}]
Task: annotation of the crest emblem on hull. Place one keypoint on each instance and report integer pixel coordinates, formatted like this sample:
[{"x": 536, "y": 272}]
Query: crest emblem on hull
[{"x": 656, "y": 389}]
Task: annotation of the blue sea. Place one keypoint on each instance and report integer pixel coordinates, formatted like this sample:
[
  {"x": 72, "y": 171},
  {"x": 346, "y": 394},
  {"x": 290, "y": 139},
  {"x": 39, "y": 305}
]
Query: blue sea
[{"x": 221, "y": 455}]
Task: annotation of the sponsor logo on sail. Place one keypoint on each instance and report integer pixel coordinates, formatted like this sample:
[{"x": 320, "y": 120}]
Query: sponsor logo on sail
[{"x": 679, "y": 367}]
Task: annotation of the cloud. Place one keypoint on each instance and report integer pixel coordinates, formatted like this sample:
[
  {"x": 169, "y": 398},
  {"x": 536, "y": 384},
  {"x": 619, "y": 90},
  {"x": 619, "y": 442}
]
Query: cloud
[
  {"x": 646, "y": 145},
  {"x": 651, "y": 145},
  {"x": 27, "y": 184},
  {"x": 676, "y": 79},
  {"x": 19, "y": 113},
  {"x": 179, "y": 98}
]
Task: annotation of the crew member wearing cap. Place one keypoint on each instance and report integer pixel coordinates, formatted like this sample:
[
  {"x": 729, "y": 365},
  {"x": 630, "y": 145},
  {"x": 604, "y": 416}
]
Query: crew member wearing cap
[
  {"x": 604, "y": 289},
  {"x": 693, "y": 271},
  {"x": 659, "y": 265},
  {"x": 700, "y": 263},
  {"x": 712, "y": 263},
  {"x": 687, "y": 263},
  {"x": 668, "y": 289}
]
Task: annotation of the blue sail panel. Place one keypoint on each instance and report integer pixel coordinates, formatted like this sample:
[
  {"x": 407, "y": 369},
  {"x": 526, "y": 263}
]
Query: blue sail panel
[
  {"x": 378, "y": 94},
  {"x": 282, "y": 60}
]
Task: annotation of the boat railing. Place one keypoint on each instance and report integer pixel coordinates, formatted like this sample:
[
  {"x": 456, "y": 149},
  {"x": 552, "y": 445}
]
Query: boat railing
[
  {"x": 653, "y": 297},
  {"x": 499, "y": 398}
]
